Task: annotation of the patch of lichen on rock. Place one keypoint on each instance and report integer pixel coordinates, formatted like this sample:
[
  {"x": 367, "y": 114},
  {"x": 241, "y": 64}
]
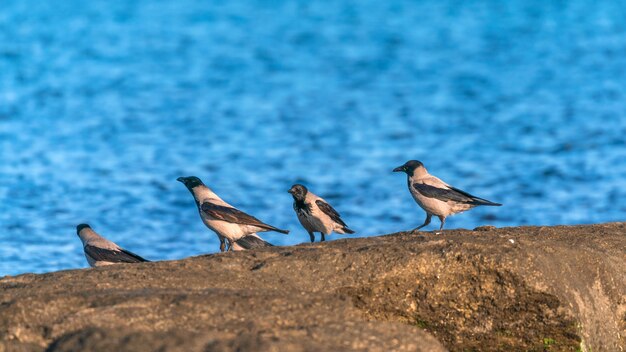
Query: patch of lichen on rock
[{"x": 479, "y": 307}]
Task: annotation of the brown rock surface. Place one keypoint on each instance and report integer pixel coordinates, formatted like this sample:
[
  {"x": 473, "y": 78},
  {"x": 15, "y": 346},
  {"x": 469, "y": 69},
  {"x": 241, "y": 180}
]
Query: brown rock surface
[{"x": 525, "y": 288}]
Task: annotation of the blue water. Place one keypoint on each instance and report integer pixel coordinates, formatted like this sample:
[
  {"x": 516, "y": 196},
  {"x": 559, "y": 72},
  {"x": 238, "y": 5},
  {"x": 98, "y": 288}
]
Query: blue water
[{"x": 103, "y": 104}]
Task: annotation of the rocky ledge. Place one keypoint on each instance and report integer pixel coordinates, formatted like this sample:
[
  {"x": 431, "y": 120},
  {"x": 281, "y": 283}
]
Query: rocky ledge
[{"x": 526, "y": 288}]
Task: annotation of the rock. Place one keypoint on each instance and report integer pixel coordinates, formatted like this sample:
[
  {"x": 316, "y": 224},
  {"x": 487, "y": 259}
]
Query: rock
[{"x": 557, "y": 288}]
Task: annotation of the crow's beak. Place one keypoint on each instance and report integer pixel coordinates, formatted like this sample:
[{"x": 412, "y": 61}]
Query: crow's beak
[
  {"x": 290, "y": 191},
  {"x": 181, "y": 179},
  {"x": 399, "y": 169}
]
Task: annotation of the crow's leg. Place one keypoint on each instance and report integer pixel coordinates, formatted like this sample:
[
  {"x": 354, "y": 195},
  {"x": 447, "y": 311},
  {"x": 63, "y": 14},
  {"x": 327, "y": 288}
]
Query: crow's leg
[{"x": 426, "y": 222}]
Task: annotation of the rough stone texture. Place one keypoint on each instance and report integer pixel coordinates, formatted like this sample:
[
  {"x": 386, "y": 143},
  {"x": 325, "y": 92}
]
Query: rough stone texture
[{"x": 527, "y": 288}]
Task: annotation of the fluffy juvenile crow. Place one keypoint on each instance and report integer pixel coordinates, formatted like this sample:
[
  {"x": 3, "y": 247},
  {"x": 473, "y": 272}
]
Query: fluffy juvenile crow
[
  {"x": 225, "y": 220},
  {"x": 99, "y": 251},
  {"x": 315, "y": 214},
  {"x": 435, "y": 196}
]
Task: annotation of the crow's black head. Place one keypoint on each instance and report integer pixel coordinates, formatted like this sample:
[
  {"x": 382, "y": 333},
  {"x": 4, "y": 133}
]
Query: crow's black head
[
  {"x": 409, "y": 167},
  {"x": 80, "y": 227},
  {"x": 298, "y": 192},
  {"x": 190, "y": 182}
]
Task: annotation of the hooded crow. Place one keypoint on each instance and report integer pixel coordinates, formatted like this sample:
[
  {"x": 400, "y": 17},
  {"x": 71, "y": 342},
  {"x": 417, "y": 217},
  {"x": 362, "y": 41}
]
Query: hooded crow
[
  {"x": 435, "y": 196},
  {"x": 99, "y": 251},
  {"x": 315, "y": 214},
  {"x": 225, "y": 220}
]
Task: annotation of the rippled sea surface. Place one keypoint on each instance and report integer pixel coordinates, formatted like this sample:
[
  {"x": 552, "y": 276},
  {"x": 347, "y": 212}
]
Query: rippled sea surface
[{"x": 103, "y": 104}]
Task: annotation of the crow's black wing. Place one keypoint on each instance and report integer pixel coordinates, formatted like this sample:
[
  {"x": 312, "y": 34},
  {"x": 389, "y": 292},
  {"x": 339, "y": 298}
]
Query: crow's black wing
[
  {"x": 251, "y": 242},
  {"x": 450, "y": 194},
  {"x": 443, "y": 194},
  {"x": 113, "y": 256},
  {"x": 477, "y": 200},
  {"x": 330, "y": 211},
  {"x": 235, "y": 216}
]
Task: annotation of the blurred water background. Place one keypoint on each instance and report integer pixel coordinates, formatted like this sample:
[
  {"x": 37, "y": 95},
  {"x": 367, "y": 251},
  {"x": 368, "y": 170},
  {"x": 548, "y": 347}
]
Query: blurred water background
[{"x": 103, "y": 104}]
